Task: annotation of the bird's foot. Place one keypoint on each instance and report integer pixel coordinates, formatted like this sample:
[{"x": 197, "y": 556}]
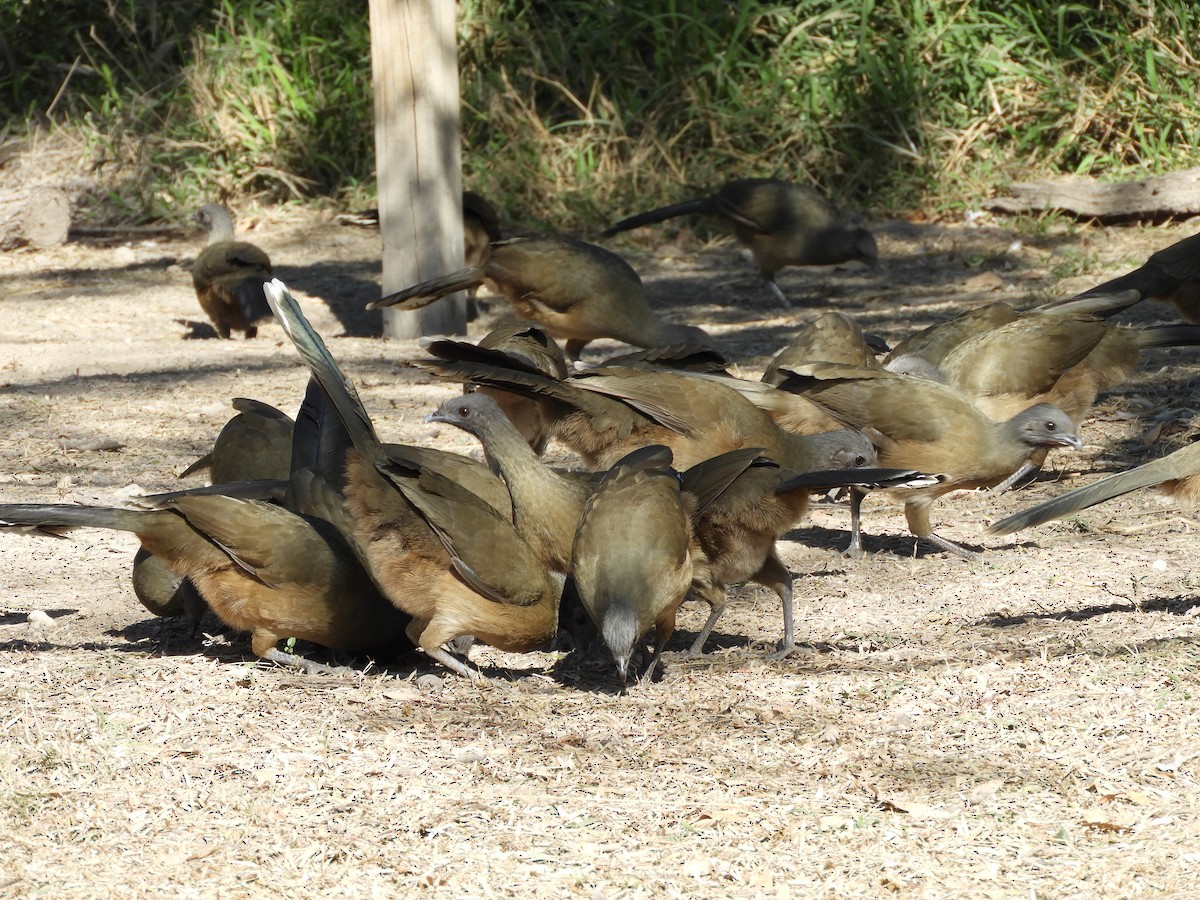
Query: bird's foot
[
  {"x": 785, "y": 651},
  {"x": 951, "y": 547},
  {"x": 454, "y": 664},
  {"x": 299, "y": 662}
]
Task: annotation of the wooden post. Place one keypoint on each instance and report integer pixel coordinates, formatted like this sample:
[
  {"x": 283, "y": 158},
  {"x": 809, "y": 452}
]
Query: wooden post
[{"x": 418, "y": 164}]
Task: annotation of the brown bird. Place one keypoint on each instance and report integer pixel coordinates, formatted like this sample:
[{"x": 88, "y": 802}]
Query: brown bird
[
  {"x": 633, "y": 555},
  {"x": 743, "y": 504},
  {"x": 259, "y": 567},
  {"x": 578, "y": 292},
  {"x": 1175, "y": 474},
  {"x": 931, "y": 345},
  {"x": 438, "y": 551},
  {"x": 481, "y": 226},
  {"x": 738, "y": 531},
  {"x": 834, "y": 337},
  {"x": 254, "y": 444},
  {"x": 933, "y": 428},
  {"x": 529, "y": 344},
  {"x": 782, "y": 224},
  {"x": 229, "y": 276},
  {"x": 1171, "y": 275},
  {"x": 1061, "y": 359},
  {"x": 604, "y": 413},
  {"x": 165, "y": 593}
]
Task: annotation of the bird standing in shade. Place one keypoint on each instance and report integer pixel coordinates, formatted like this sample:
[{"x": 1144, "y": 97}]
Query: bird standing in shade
[
  {"x": 577, "y": 291},
  {"x": 782, "y": 224},
  {"x": 229, "y": 276}
]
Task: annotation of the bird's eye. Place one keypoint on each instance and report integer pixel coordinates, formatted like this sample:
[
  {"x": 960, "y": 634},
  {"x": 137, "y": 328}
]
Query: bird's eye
[
  {"x": 464, "y": 411},
  {"x": 860, "y": 461},
  {"x": 1050, "y": 426}
]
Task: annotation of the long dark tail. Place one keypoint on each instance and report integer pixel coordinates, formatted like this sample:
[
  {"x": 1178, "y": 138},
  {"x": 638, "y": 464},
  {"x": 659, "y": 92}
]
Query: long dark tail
[
  {"x": 325, "y": 369},
  {"x": 707, "y": 206},
  {"x": 1148, "y": 281},
  {"x": 57, "y": 518},
  {"x": 1169, "y": 336},
  {"x": 427, "y": 292},
  {"x": 1179, "y": 464}
]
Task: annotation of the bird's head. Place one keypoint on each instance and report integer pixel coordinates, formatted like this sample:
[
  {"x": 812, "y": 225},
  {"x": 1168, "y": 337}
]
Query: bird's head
[
  {"x": 619, "y": 628},
  {"x": 473, "y": 413},
  {"x": 1045, "y": 425},
  {"x": 865, "y": 247}
]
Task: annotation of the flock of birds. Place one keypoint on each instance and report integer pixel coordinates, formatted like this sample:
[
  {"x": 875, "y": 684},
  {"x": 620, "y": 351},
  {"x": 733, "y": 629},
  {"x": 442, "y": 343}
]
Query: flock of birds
[{"x": 315, "y": 529}]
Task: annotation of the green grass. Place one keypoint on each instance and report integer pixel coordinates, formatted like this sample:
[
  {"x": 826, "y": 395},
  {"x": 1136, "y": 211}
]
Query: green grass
[{"x": 574, "y": 111}]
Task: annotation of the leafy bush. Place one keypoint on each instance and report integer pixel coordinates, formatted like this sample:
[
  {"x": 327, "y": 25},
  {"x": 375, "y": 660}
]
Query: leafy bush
[{"x": 573, "y": 109}]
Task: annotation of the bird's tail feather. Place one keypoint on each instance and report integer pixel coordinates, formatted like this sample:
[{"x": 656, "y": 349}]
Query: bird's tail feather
[
  {"x": 1169, "y": 336},
  {"x": 324, "y": 369},
  {"x": 427, "y": 292},
  {"x": 57, "y": 518},
  {"x": 687, "y": 208},
  {"x": 252, "y": 299},
  {"x": 1082, "y": 498}
]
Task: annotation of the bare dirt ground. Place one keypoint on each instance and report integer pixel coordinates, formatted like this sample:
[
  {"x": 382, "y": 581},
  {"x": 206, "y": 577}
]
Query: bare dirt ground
[{"x": 1021, "y": 725}]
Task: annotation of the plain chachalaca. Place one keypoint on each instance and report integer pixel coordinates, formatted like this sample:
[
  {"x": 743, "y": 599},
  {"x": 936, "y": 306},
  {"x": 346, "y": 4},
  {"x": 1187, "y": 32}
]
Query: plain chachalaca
[
  {"x": 1175, "y": 475},
  {"x": 633, "y": 555},
  {"x": 1062, "y": 359},
  {"x": 834, "y": 337},
  {"x": 740, "y": 504},
  {"x": 437, "y": 550},
  {"x": 739, "y": 529},
  {"x": 577, "y": 291},
  {"x": 1171, "y": 274},
  {"x": 526, "y": 342},
  {"x": 604, "y": 413},
  {"x": 931, "y": 345},
  {"x": 481, "y": 226},
  {"x": 256, "y": 443},
  {"x": 259, "y": 567},
  {"x": 782, "y": 224},
  {"x": 229, "y": 276},
  {"x": 929, "y": 427}
]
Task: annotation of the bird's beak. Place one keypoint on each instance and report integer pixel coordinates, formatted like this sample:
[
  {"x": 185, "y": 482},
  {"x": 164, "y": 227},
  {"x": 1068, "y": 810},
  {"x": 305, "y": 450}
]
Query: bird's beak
[
  {"x": 1066, "y": 440},
  {"x": 434, "y": 417}
]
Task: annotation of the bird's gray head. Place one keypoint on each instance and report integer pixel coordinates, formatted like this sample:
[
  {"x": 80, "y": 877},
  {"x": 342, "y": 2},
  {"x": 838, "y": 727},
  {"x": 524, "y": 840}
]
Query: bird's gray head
[
  {"x": 619, "y": 629},
  {"x": 473, "y": 413},
  {"x": 1045, "y": 425},
  {"x": 216, "y": 220},
  {"x": 917, "y": 367},
  {"x": 864, "y": 247},
  {"x": 846, "y": 448}
]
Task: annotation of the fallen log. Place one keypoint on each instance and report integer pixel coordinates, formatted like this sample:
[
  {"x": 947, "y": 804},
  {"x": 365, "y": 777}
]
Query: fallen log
[
  {"x": 1176, "y": 194},
  {"x": 39, "y": 216}
]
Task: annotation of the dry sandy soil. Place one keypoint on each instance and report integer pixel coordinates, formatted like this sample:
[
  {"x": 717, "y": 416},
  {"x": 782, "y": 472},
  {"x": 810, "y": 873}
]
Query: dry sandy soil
[{"x": 1024, "y": 724}]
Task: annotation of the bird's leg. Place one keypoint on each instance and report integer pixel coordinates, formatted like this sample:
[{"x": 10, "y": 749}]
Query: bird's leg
[
  {"x": 453, "y": 663},
  {"x": 716, "y": 597},
  {"x": 854, "y": 548},
  {"x": 431, "y": 646},
  {"x": 774, "y": 575},
  {"x": 312, "y": 667},
  {"x": 778, "y": 292},
  {"x": 950, "y": 547},
  {"x": 573, "y": 349},
  {"x": 1007, "y": 483},
  {"x": 916, "y": 513},
  {"x": 662, "y": 635}
]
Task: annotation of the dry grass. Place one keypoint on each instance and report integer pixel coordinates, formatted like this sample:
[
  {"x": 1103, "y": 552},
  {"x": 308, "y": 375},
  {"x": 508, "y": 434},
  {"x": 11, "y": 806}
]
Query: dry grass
[{"x": 1022, "y": 725}]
